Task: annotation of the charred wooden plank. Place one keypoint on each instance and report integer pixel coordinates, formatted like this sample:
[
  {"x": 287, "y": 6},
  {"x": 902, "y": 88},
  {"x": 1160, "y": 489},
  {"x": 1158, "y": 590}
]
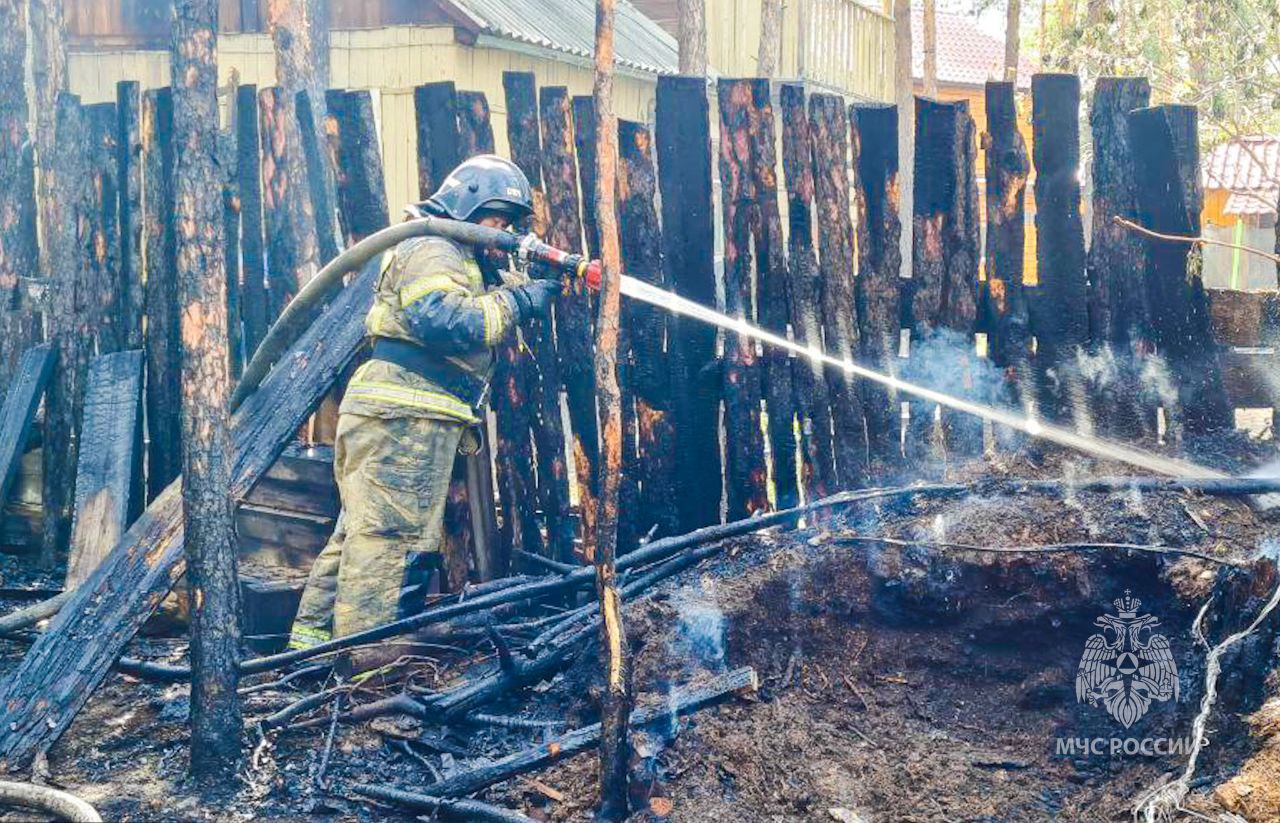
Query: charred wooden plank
[
  {"x": 105, "y": 471},
  {"x": 829, "y": 135},
  {"x": 253, "y": 296},
  {"x": 292, "y": 244},
  {"x": 301, "y": 480},
  {"x": 164, "y": 446},
  {"x": 458, "y": 529},
  {"x": 804, "y": 289},
  {"x": 684, "y": 180},
  {"x": 436, "y": 111},
  {"x": 1060, "y": 315},
  {"x": 18, "y": 413},
  {"x": 318, "y": 175},
  {"x": 352, "y": 138},
  {"x": 774, "y": 303},
  {"x": 584, "y": 137},
  {"x": 874, "y": 134},
  {"x": 1118, "y": 319},
  {"x": 650, "y": 374},
  {"x": 39, "y": 699},
  {"x": 1170, "y": 201},
  {"x": 746, "y": 477},
  {"x": 129, "y": 180},
  {"x": 475, "y": 132},
  {"x": 230, "y": 180},
  {"x": 104, "y": 297}
]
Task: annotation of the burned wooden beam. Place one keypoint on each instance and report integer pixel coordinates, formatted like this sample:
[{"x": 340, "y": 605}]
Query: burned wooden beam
[
  {"x": 684, "y": 180},
  {"x": 573, "y": 310},
  {"x": 18, "y": 413},
  {"x": 475, "y": 132},
  {"x": 129, "y": 181},
  {"x": 105, "y": 471},
  {"x": 292, "y": 250},
  {"x": 1060, "y": 317},
  {"x": 746, "y": 477},
  {"x": 352, "y": 141},
  {"x": 254, "y": 308},
  {"x": 584, "y": 138},
  {"x": 1118, "y": 318},
  {"x": 230, "y": 180},
  {"x": 774, "y": 302},
  {"x": 1166, "y": 173},
  {"x": 435, "y": 107},
  {"x": 804, "y": 290},
  {"x": 164, "y": 441},
  {"x": 874, "y": 135},
  {"x": 310, "y": 116},
  {"x": 103, "y": 298},
  {"x": 41, "y": 697},
  {"x": 829, "y": 136}
]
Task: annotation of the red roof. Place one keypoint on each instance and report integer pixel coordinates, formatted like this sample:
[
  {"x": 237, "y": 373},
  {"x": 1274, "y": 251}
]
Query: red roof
[
  {"x": 1248, "y": 168},
  {"x": 967, "y": 55}
]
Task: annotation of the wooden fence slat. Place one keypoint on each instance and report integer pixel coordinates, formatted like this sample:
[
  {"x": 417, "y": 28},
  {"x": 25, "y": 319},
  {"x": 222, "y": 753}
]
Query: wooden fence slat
[
  {"x": 584, "y": 140},
  {"x": 164, "y": 447},
  {"x": 774, "y": 302},
  {"x": 829, "y": 133},
  {"x": 436, "y": 111},
  {"x": 352, "y": 140},
  {"x": 106, "y": 294},
  {"x": 318, "y": 174},
  {"x": 804, "y": 288},
  {"x": 231, "y": 249},
  {"x": 746, "y": 477},
  {"x": 1170, "y": 200},
  {"x": 253, "y": 294},
  {"x": 292, "y": 243},
  {"x": 684, "y": 180},
  {"x": 105, "y": 469},
  {"x": 19, "y": 411},
  {"x": 874, "y": 136},
  {"x": 129, "y": 178},
  {"x": 475, "y": 132}
]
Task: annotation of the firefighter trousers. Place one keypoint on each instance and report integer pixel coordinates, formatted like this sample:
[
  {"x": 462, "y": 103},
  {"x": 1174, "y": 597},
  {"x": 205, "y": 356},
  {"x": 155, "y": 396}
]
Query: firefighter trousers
[{"x": 393, "y": 477}]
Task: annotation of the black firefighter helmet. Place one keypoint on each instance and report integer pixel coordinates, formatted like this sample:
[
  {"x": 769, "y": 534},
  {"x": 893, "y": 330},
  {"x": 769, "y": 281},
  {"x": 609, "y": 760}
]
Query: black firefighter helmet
[{"x": 485, "y": 183}]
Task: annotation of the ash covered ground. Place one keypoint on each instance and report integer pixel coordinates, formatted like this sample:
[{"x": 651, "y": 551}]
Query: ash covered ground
[{"x": 912, "y": 680}]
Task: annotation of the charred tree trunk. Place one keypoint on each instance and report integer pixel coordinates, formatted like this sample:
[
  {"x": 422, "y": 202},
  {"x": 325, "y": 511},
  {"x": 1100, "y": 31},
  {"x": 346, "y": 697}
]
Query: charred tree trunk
[
  {"x": 573, "y": 311},
  {"x": 746, "y": 478},
  {"x": 435, "y": 108},
  {"x": 129, "y": 178},
  {"x": 829, "y": 133},
  {"x": 1005, "y": 303},
  {"x": 691, "y": 37},
  {"x": 292, "y": 253},
  {"x": 804, "y": 291},
  {"x": 930, "y": 47},
  {"x": 49, "y": 79},
  {"x": 1012, "y": 39},
  {"x": 209, "y": 533},
  {"x": 904, "y": 96},
  {"x": 352, "y": 138},
  {"x": 514, "y": 372},
  {"x": 879, "y": 284},
  {"x": 615, "y": 708},
  {"x": 18, "y": 253},
  {"x": 164, "y": 449},
  {"x": 770, "y": 38},
  {"x": 254, "y": 308},
  {"x": 1060, "y": 308},
  {"x": 684, "y": 179},
  {"x": 1170, "y": 201},
  {"x": 104, "y": 292}
]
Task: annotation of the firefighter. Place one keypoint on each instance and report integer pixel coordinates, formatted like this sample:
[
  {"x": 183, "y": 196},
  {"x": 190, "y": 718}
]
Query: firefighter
[{"x": 437, "y": 316}]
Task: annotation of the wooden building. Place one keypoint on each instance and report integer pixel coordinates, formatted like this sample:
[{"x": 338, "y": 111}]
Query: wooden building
[{"x": 1241, "y": 189}]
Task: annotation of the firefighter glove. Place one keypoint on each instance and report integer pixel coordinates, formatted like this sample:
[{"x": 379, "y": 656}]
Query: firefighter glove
[{"x": 534, "y": 299}]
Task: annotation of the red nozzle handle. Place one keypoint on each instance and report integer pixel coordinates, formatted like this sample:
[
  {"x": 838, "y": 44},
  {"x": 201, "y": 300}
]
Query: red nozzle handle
[
  {"x": 592, "y": 273},
  {"x": 531, "y": 248}
]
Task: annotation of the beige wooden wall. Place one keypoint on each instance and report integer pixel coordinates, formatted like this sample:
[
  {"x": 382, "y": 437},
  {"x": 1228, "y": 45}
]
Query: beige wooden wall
[{"x": 390, "y": 61}]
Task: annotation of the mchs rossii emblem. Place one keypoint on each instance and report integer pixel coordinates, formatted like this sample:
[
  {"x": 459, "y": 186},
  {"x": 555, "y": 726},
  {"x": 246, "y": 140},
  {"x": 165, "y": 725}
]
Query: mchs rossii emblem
[{"x": 1127, "y": 665}]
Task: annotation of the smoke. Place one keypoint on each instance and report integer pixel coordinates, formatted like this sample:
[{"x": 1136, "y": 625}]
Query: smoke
[
  {"x": 700, "y": 634},
  {"x": 946, "y": 361}
]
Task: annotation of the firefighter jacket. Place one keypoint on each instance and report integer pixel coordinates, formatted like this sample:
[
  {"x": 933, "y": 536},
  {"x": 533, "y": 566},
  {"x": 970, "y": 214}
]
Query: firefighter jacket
[{"x": 434, "y": 324}]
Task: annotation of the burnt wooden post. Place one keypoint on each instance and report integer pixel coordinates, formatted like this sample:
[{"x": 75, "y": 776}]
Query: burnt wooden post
[
  {"x": 231, "y": 249},
  {"x": 129, "y": 179},
  {"x": 104, "y": 296},
  {"x": 804, "y": 290},
  {"x": 18, "y": 412},
  {"x": 319, "y": 176},
  {"x": 646, "y": 328},
  {"x": 514, "y": 373},
  {"x": 1060, "y": 317},
  {"x": 1004, "y": 307},
  {"x": 584, "y": 141},
  {"x": 436, "y": 114},
  {"x": 874, "y": 134},
  {"x": 104, "y": 472},
  {"x": 746, "y": 477},
  {"x": 292, "y": 251},
  {"x": 475, "y": 132},
  {"x": 684, "y": 180},
  {"x": 829, "y": 134},
  {"x": 68, "y": 322},
  {"x": 18, "y": 255},
  {"x": 574, "y": 309},
  {"x": 208, "y": 529},
  {"x": 1170, "y": 200},
  {"x": 774, "y": 303},
  {"x": 253, "y": 295},
  {"x": 164, "y": 447},
  {"x": 1119, "y": 331},
  {"x": 352, "y": 139}
]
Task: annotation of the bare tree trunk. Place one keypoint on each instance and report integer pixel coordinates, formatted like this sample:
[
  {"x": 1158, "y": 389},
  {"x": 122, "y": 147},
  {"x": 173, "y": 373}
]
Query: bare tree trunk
[
  {"x": 18, "y": 257},
  {"x": 904, "y": 96},
  {"x": 930, "y": 34},
  {"x": 1012, "y": 40},
  {"x": 49, "y": 76},
  {"x": 691, "y": 36},
  {"x": 615, "y": 711},
  {"x": 770, "y": 38},
  {"x": 206, "y": 391}
]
